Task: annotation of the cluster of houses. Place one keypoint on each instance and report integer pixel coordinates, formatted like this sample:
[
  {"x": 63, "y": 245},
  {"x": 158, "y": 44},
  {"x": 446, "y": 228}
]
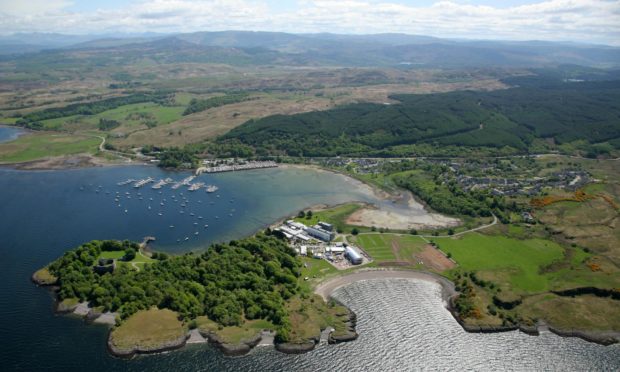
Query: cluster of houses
[
  {"x": 317, "y": 241},
  {"x": 500, "y": 178},
  {"x": 566, "y": 179}
]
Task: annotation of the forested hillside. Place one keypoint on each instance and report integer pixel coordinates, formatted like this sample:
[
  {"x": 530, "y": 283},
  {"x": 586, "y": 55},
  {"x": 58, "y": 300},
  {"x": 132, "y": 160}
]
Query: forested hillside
[{"x": 558, "y": 112}]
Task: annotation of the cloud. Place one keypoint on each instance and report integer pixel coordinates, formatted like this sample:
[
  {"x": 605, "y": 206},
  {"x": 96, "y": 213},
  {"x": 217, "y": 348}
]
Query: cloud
[
  {"x": 575, "y": 20},
  {"x": 32, "y": 7}
]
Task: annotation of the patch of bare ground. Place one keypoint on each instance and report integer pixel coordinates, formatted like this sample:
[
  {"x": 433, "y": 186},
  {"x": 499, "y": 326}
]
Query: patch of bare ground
[
  {"x": 434, "y": 259},
  {"x": 399, "y": 219},
  {"x": 217, "y": 121},
  {"x": 380, "y": 93}
]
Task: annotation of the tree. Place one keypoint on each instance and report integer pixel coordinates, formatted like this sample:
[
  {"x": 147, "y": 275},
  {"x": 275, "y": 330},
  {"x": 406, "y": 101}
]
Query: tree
[
  {"x": 301, "y": 214},
  {"x": 130, "y": 254},
  {"x": 450, "y": 232},
  {"x": 308, "y": 215},
  {"x": 413, "y": 232},
  {"x": 355, "y": 231}
]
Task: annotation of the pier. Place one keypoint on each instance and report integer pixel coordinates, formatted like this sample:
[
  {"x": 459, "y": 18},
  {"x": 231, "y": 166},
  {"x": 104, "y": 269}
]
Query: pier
[{"x": 146, "y": 241}]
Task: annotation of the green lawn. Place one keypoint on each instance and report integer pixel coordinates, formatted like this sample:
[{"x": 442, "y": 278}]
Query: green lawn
[
  {"x": 390, "y": 247},
  {"x": 112, "y": 254},
  {"x": 139, "y": 259},
  {"x": 40, "y": 145},
  {"x": 314, "y": 268},
  {"x": 378, "y": 246},
  {"x": 517, "y": 262},
  {"x": 336, "y": 216}
]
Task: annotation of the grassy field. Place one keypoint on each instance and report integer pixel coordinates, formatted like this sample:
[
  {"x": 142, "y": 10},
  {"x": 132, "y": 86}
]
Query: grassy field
[
  {"x": 314, "y": 268},
  {"x": 40, "y": 145},
  {"x": 148, "y": 328},
  {"x": 511, "y": 262},
  {"x": 234, "y": 334},
  {"x": 389, "y": 247},
  {"x": 592, "y": 224},
  {"x": 308, "y": 316},
  {"x": 402, "y": 251},
  {"x": 586, "y": 312},
  {"x": 140, "y": 259},
  {"x": 336, "y": 216},
  {"x": 159, "y": 114}
]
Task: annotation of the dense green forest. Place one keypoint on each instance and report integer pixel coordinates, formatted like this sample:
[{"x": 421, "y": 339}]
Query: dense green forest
[
  {"x": 198, "y": 105},
  {"x": 245, "y": 279},
  {"x": 175, "y": 157},
  {"x": 559, "y": 112}
]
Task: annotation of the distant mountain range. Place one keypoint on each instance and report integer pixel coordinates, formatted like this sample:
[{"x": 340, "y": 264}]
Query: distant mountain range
[{"x": 275, "y": 48}]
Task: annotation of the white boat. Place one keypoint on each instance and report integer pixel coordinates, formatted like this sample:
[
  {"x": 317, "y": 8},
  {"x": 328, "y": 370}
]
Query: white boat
[
  {"x": 195, "y": 186},
  {"x": 212, "y": 188}
]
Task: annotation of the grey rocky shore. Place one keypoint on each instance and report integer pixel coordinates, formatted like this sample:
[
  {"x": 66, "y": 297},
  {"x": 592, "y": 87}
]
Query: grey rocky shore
[{"x": 140, "y": 349}]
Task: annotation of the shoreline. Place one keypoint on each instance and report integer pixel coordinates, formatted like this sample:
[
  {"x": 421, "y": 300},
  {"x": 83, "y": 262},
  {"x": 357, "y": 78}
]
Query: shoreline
[
  {"x": 67, "y": 162},
  {"x": 403, "y": 213},
  {"x": 328, "y": 286}
]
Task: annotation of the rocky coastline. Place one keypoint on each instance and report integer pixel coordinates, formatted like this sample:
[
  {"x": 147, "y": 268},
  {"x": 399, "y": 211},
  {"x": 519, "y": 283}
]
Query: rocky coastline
[
  {"x": 604, "y": 338},
  {"x": 449, "y": 294},
  {"x": 139, "y": 349}
]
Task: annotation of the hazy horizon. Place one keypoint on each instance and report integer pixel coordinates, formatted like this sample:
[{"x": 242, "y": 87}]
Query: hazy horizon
[{"x": 577, "y": 21}]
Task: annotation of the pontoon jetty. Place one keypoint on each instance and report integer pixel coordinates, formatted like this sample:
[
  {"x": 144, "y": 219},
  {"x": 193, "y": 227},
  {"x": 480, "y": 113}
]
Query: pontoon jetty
[
  {"x": 127, "y": 182},
  {"x": 143, "y": 182}
]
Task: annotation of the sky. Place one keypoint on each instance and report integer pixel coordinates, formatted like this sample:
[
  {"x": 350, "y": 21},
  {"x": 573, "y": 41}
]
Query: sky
[{"x": 589, "y": 21}]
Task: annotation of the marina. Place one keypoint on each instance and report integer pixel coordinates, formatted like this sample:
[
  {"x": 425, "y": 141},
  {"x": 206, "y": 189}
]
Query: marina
[
  {"x": 237, "y": 167},
  {"x": 185, "y": 221}
]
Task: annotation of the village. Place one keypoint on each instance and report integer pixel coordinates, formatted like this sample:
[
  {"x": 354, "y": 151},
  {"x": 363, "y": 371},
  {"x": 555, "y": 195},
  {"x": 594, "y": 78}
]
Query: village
[{"x": 502, "y": 177}]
